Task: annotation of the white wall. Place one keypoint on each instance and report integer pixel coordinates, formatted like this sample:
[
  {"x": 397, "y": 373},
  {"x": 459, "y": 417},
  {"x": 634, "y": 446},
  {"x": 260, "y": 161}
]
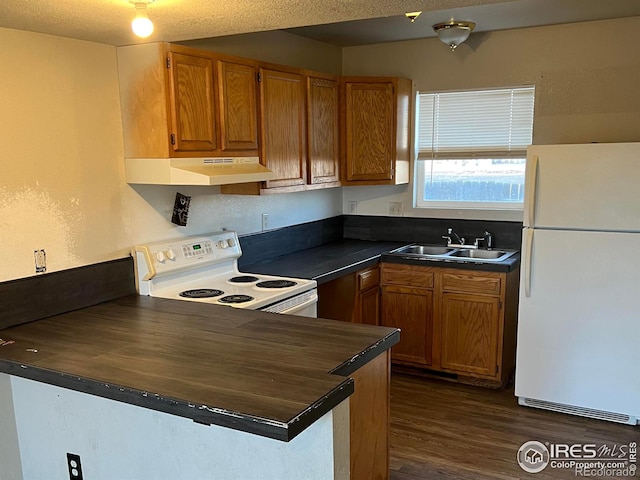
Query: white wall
[
  {"x": 62, "y": 185},
  {"x": 119, "y": 441},
  {"x": 585, "y": 74}
]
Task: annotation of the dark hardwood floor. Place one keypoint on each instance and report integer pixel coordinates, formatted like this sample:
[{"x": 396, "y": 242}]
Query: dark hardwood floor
[{"x": 443, "y": 430}]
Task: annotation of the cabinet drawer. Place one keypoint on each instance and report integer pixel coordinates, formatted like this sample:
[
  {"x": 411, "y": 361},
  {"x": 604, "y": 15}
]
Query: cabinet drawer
[
  {"x": 368, "y": 278},
  {"x": 406, "y": 275},
  {"x": 469, "y": 283}
]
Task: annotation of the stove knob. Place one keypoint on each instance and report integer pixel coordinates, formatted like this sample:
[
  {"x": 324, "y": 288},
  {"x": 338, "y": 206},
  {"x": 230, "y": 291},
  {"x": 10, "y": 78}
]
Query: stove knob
[
  {"x": 160, "y": 256},
  {"x": 231, "y": 242},
  {"x": 171, "y": 255},
  {"x": 221, "y": 244}
]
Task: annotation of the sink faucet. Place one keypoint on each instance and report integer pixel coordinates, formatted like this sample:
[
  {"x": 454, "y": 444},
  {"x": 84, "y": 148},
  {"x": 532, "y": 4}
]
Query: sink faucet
[{"x": 452, "y": 233}]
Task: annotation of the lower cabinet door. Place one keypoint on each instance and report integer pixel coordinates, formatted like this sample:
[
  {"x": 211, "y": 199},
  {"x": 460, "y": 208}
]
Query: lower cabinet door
[
  {"x": 470, "y": 333},
  {"x": 410, "y": 310},
  {"x": 369, "y": 306}
]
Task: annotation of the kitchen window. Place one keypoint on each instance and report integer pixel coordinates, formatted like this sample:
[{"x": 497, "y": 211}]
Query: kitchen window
[{"x": 471, "y": 148}]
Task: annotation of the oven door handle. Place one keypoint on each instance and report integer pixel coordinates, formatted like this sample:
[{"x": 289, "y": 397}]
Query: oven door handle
[
  {"x": 301, "y": 306},
  {"x": 290, "y": 311}
]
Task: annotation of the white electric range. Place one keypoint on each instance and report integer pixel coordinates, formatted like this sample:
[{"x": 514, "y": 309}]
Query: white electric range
[{"x": 205, "y": 269}]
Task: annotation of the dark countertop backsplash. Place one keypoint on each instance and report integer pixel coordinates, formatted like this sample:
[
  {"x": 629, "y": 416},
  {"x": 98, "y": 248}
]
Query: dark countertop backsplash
[
  {"x": 430, "y": 230},
  {"x": 286, "y": 240}
]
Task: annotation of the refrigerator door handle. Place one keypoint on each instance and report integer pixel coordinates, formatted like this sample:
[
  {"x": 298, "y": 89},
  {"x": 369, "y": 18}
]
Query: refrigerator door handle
[
  {"x": 527, "y": 254},
  {"x": 531, "y": 193}
]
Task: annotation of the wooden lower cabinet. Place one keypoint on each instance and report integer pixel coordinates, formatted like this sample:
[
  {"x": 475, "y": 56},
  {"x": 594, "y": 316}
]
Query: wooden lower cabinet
[
  {"x": 456, "y": 321},
  {"x": 470, "y": 333},
  {"x": 411, "y": 310},
  {"x": 369, "y": 420},
  {"x": 352, "y": 298}
]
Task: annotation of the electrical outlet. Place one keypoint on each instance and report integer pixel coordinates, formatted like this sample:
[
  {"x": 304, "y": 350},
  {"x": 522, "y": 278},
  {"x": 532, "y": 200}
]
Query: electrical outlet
[
  {"x": 265, "y": 221},
  {"x": 40, "y": 257},
  {"x": 75, "y": 467},
  {"x": 353, "y": 207},
  {"x": 395, "y": 209}
]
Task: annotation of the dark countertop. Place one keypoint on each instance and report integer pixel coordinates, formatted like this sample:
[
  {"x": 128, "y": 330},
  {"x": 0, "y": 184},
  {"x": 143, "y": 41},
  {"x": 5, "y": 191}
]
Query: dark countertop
[
  {"x": 267, "y": 374},
  {"x": 327, "y": 262},
  {"x": 335, "y": 259}
]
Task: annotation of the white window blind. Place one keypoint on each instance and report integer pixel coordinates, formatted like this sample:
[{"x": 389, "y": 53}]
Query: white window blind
[{"x": 495, "y": 123}]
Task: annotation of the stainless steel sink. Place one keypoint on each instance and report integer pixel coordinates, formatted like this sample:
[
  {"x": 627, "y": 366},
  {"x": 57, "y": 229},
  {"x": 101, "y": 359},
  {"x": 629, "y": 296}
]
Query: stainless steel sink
[
  {"x": 424, "y": 250},
  {"x": 452, "y": 254},
  {"x": 484, "y": 254}
]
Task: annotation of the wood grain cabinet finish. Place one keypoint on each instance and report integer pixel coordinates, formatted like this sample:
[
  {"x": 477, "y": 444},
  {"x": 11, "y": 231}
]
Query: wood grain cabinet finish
[
  {"x": 192, "y": 103},
  {"x": 299, "y": 165},
  {"x": 456, "y": 321},
  {"x": 238, "y": 94},
  {"x": 369, "y": 416},
  {"x": 352, "y": 298},
  {"x": 183, "y": 102},
  {"x": 283, "y": 134},
  {"x": 322, "y": 130},
  {"x": 408, "y": 304},
  {"x": 375, "y": 118},
  {"x": 368, "y": 296},
  {"x": 470, "y": 333}
]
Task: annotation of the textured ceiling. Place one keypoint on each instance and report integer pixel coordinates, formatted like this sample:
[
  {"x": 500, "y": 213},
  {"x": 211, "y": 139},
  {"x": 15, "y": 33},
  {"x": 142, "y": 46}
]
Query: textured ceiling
[{"x": 107, "y": 21}]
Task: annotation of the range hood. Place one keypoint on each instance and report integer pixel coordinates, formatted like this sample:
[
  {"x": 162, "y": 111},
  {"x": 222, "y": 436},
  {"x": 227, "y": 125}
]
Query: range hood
[{"x": 196, "y": 171}]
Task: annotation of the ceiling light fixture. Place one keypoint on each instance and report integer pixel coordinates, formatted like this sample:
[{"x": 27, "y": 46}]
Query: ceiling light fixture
[
  {"x": 453, "y": 32},
  {"x": 141, "y": 25},
  {"x": 412, "y": 15}
]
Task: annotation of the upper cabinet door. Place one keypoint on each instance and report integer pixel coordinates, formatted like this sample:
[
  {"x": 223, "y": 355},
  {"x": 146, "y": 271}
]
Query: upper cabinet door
[
  {"x": 193, "y": 112},
  {"x": 283, "y": 137},
  {"x": 370, "y": 133},
  {"x": 239, "y": 106},
  {"x": 322, "y": 117},
  {"x": 375, "y": 119}
]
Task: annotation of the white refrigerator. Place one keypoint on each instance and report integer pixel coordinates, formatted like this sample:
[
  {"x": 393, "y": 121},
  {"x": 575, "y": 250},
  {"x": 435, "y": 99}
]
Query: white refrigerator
[{"x": 578, "y": 349}]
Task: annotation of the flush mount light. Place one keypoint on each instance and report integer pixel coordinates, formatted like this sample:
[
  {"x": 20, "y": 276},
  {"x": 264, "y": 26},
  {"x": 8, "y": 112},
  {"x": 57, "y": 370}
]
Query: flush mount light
[
  {"x": 141, "y": 25},
  {"x": 412, "y": 15},
  {"x": 453, "y": 32}
]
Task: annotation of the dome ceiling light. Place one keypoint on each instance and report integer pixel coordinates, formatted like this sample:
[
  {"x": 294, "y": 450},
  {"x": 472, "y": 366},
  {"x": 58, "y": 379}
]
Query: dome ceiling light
[{"x": 453, "y": 32}]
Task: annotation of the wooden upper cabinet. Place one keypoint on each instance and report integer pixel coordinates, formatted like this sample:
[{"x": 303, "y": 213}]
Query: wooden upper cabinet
[
  {"x": 184, "y": 102},
  {"x": 238, "y": 106},
  {"x": 322, "y": 131},
  {"x": 283, "y": 132},
  {"x": 192, "y": 105},
  {"x": 376, "y": 119}
]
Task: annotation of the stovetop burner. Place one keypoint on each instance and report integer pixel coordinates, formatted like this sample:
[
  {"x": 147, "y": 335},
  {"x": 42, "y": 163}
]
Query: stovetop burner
[
  {"x": 236, "y": 299},
  {"x": 276, "y": 284},
  {"x": 243, "y": 279},
  {"x": 201, "y": 293}
]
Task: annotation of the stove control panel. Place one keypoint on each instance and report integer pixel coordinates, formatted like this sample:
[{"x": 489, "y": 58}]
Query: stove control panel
[
  {"x": 197, "y": 249},
  {"x": 163, "y": 258}
]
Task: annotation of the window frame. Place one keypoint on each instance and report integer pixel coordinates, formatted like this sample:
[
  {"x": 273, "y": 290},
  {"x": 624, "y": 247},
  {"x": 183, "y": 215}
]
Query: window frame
[{"x": 421, "y": 163}]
